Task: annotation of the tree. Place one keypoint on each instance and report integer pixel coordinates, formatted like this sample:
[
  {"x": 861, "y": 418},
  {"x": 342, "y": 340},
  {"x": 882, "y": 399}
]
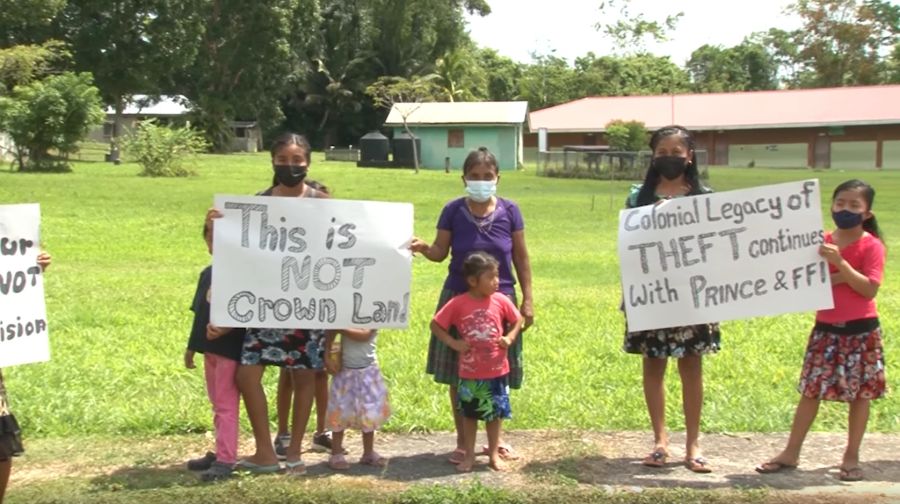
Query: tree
[
  {"x": 547, "y": 81},
  {"x": 27, "y": 22},
  {"x": 130, "y": 46},
  {"x": 502, "y": 74},
  {"x": 637, "y": 74},
  {"x": 405, "y": 95},
  {"x": 22, "y": 64},
  {"x": 745, "y": 67},
  {"x": 246, "y": 62},
  {"x": 631, "y": 31},
  {"x": 51, "y": 114},
  {"x": 626, "y": 136},
  {"x": 411, "y": 35},
  {"x": 460, "y": 75},
  {"x": 340, "y": 69},
  {"x": 841, "y": 42}
]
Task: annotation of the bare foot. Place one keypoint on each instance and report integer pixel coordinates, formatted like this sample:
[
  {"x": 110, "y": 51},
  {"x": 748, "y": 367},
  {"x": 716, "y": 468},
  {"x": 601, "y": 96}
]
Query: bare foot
[
  {"x": 498, "y": 464},
  {"x": 466, "y": 465},
  {"x": 259, "y": 460}
]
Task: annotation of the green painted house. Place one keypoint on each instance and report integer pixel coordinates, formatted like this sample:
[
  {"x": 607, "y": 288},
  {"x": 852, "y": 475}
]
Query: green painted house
[{"x": 450, "y": 130}]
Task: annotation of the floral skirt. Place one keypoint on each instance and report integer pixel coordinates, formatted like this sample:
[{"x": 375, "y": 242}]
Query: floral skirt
[
  {"x": 443, "y": 361},
  {"x": 486, "y": 400},
  {"x": 700, "y": 339},
  {"x": 843, "y": 367},
  {"x": 358, "y": 400},
  {"x": 288, "y": 348}
]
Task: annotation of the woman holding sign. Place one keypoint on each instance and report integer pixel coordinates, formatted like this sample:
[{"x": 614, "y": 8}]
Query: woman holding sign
[
  {"x": 298, "y": 350},
  {"x": 672, "y": 173},
  {"x": 10, "y": 436},
  {"x": 478, "y": 222}
]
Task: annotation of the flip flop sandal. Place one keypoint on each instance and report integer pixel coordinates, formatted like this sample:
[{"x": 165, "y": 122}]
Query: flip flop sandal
[
  {"x": 773, "y": 467},
  {"x": 656, "y": 458},
  {"x": 296, "y": 468},
  {"x": 338, "y": 463},
  {"x": 374, "y": 460},
  {"x": 457, "y": 456},
  {"x": 251, "y": 467},
  {"x": 505, "y": 451},
  {"x": 852, "y": 474},
  {"x": 698, "y": 465}
]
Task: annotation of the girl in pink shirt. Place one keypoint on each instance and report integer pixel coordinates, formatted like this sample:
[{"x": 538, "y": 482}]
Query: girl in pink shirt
[
  {"x": 844, "y": 357},
  {"x": 481, "y": 317}
]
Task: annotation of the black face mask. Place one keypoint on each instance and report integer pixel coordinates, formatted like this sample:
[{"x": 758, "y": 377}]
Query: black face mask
[
  {"x": 290, "y": 175},
  {"x": 670, "y": 167}
]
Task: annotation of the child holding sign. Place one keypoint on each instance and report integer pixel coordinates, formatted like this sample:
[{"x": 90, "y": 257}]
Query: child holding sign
[
  {"x": 221, "y": 347},
  {"x": 479, "y": 317},
  {"x": 10, "y": 435},
  {"x": 673, "y": 173},
  {"x": 844, "y": 356},
  {"x": 358, "y": 398}
]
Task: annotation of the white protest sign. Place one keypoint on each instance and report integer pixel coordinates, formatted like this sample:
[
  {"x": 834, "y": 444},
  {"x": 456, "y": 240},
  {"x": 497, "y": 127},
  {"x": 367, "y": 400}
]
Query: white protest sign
[
  {"x": 308, "y": 263},
  {"x": 724, "y": 256},
  {"x": 23, "y": 315}
]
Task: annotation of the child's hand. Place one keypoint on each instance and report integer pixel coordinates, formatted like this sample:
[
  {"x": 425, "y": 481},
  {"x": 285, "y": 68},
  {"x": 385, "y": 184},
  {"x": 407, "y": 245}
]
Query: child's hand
[
  {"x": 212, "y": 213},
  {"x": 505, "y": 342},
  {"x": 460, "y": 346},
  {"x": 189, "y": 359},
  {"x": 216, "y": 332},
  {"x": 43, "y": 260},
  {"x": 831, "y": 253}
]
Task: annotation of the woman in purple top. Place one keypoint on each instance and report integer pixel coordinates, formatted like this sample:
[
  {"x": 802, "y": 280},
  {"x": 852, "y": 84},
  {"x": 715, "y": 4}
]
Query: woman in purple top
[{"x": 479, "y": 221}]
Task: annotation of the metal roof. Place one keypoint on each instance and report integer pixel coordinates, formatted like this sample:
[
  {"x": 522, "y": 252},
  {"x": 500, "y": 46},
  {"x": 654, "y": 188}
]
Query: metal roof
[
  {"x": 847, "y": 106},
  {"x": 469, "y": 113}
]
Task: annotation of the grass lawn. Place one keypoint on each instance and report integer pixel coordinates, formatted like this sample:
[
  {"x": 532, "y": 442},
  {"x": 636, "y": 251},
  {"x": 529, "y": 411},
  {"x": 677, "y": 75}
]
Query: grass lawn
[{"x": 127, "y": 251}]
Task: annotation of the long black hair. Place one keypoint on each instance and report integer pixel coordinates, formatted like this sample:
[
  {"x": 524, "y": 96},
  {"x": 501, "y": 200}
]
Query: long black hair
[
  {"x": 286, "y": 139},
  {"x": 647, "y": 194},
  {"x": 870, "y": 225}
]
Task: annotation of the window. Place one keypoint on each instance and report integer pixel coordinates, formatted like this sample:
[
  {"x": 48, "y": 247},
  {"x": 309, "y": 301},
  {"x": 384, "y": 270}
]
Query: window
[{"x": 456, "y": 138}]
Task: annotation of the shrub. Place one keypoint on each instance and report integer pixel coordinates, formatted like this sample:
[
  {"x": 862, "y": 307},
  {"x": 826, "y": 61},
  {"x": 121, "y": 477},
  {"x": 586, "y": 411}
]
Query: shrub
[
  {"x": 626, "y": 136},
  {"x": 161, "y": 150},
  {"x": 53, "y": 114}
]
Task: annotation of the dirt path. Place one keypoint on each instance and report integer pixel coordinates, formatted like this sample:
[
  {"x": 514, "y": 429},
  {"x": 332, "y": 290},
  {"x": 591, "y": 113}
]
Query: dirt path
[{"x": 607, "y": 460}]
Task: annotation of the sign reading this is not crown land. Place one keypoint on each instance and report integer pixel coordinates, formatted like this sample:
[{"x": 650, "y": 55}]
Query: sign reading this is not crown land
[
  {"x": 303, "y": 263},
  {"x": 724, "y": 256}
]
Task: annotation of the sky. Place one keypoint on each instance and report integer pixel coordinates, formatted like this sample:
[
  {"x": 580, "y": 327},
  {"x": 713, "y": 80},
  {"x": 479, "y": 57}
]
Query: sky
[{"x": 515, "y": 28}]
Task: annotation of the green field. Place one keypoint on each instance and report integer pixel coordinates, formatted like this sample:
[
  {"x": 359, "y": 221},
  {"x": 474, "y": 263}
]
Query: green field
[{"x": 127, "y": 251}]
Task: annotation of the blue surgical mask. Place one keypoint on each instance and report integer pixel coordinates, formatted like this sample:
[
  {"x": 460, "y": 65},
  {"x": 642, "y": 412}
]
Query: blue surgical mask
[
  {"x": 481, "y": 190},
  {"x": 845, "y": 219}
]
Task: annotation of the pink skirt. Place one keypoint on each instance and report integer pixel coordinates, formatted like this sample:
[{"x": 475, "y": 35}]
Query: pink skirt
[{"x": 358, "y": 400}]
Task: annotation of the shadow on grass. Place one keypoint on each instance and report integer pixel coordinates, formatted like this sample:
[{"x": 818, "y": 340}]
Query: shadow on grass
[
  {"x": 420, "y": 467},
  {"x": 598, "y": 470},
  {"x": 145, "y": 478}
]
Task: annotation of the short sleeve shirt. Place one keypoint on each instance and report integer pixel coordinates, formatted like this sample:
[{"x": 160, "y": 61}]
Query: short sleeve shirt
[
  {"x": 865, "y": 255},
  {"x": 229, "y": 345},
  {"x": 480, "y": 323},
  {"x": 492, "y": 234}
]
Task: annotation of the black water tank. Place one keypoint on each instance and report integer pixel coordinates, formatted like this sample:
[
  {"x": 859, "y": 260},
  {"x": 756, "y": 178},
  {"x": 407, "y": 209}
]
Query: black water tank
[
  {"x": 374, "y": 147},
  {"x": 403, "y": 149}
]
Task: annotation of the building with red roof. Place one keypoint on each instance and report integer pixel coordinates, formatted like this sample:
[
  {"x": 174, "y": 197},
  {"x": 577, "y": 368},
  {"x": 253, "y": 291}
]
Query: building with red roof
[{"x": 849, "y": 127}]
